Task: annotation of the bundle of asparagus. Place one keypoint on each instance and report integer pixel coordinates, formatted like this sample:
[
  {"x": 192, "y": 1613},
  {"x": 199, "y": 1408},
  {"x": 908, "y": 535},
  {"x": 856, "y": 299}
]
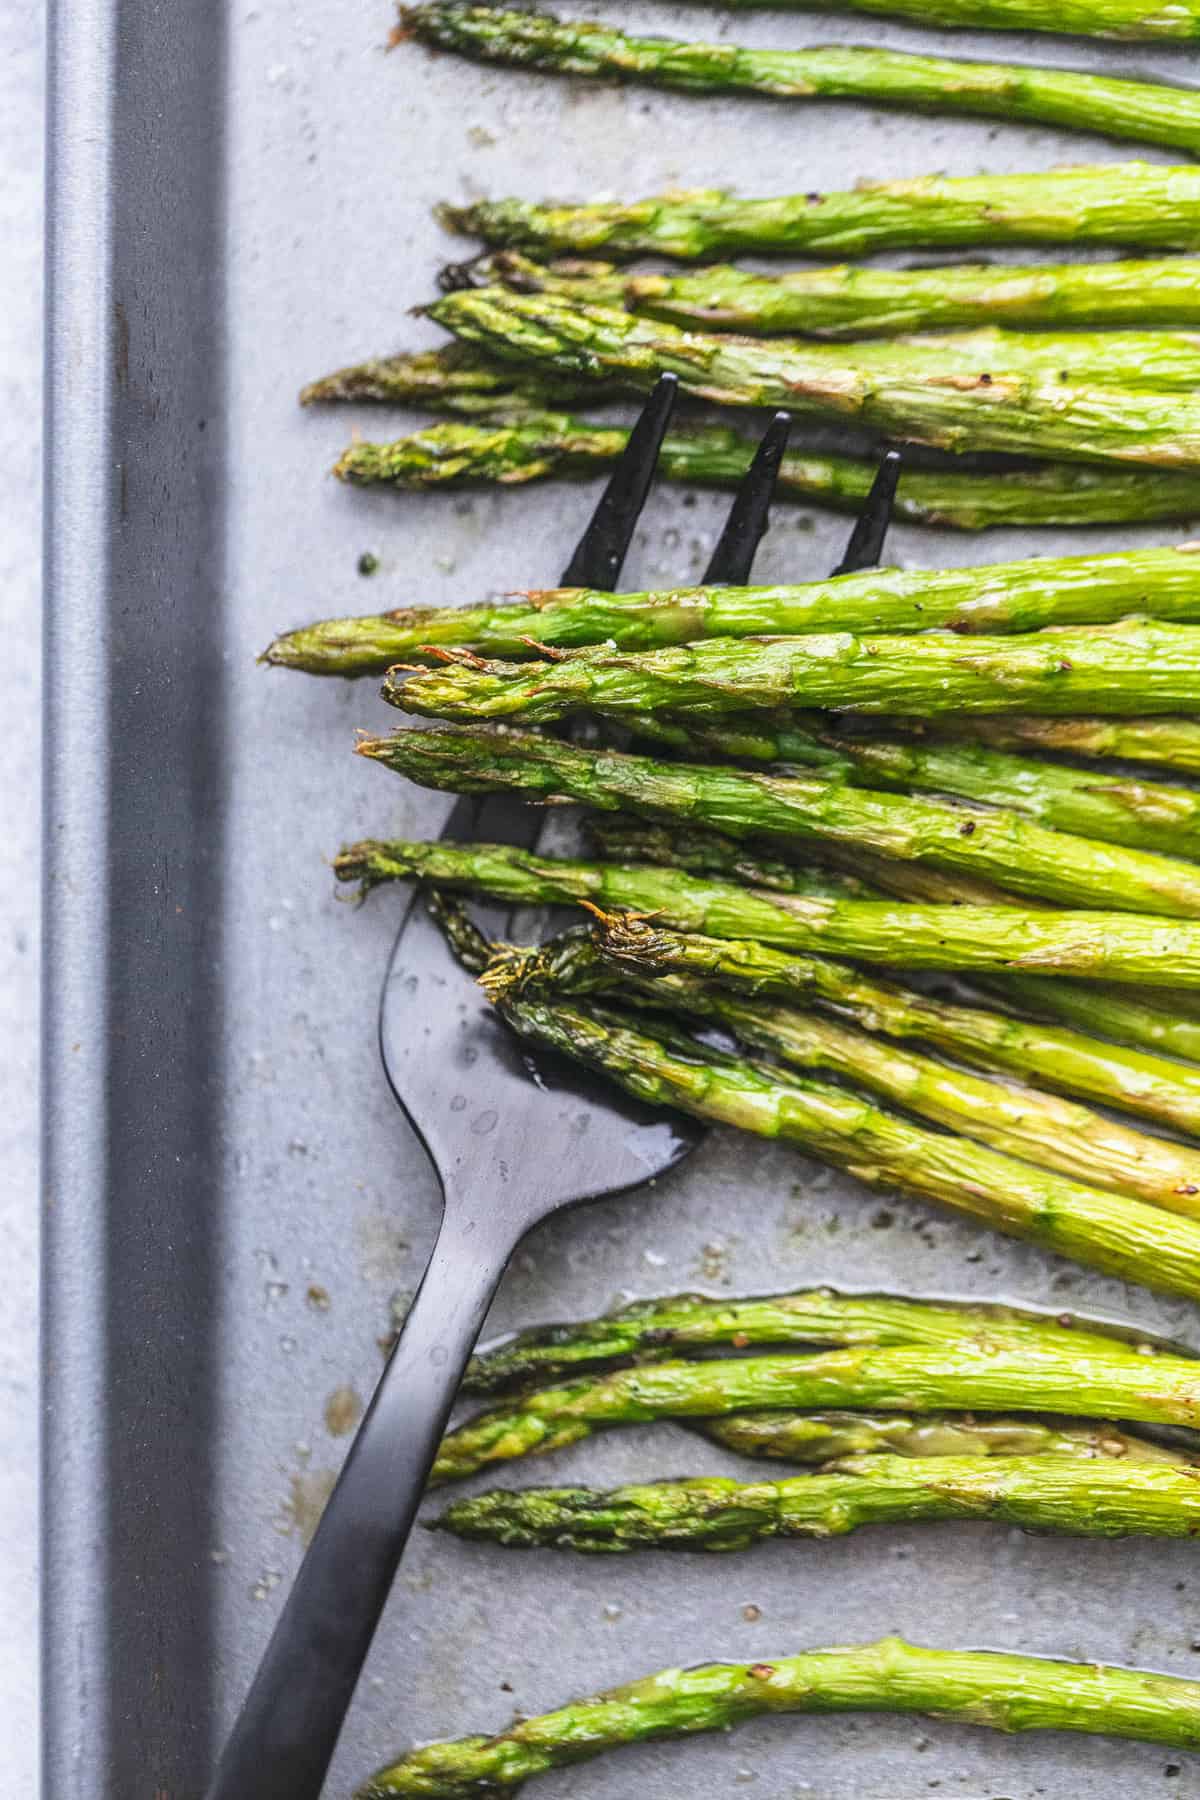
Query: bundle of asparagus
[{"x": 980, "y": 1687}]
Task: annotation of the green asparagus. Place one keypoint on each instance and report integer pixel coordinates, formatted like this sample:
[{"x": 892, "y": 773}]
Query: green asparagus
[
  {"x": 994, "y": 598},
  {"x": 978, "y": 1687},
  {"x": 1101, "y": 945},
  {"x": 1114, "y": 668},
  {"x": 851, "y": 302},
  {"x": 1104, "y": 203},
  {"x": 1069, "y": 1062},
  {"x": 454, "y": 378},
  {"x": 1144, "y": 815},
  {"x": 1173, "y": 743},
  {"x": 1104, "y": 1230},
  {"x": 653, "y": 1330},
  {"x": 1050, "y": 1132},
  {"x": 823, "y": 1437},
  {"x": 543, "y": 445},
  {"x": 985, "y": 409},
  {"x": 712, "y": 1512},
  {"x": 1150, "y": 112},
  {"x": 1111, "y": 1013},
  {"x": 996, "y": 845},
  {"x": 1135, "y": 19}
]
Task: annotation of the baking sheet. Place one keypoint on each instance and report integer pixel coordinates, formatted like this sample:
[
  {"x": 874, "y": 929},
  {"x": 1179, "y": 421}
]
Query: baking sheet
[{"x": 242, "y": 201}]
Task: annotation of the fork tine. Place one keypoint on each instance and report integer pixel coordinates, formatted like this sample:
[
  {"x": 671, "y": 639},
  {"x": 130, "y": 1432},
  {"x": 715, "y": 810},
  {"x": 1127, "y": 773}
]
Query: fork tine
[
  {"x": 749, "y": 516},
  {"x": 601, "y": 550},
  {"x": 866, "y": 540}
]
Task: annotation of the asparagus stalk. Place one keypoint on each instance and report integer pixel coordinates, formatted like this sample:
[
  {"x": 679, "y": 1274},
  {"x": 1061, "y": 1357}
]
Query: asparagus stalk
[
  {"x": 823, "y": 1437},
  {"x": 1101, "y": 1229},
  {"x": 1174, "y": 743},
  {"x": 1026, "y": 414},
  {"x": 841, "y": 871},
  {"x": 1112, "y": 1014},
  {"x": 653, "y": 1330},
  {"x": 454, "y": 378},
  {"x": 541, "y": 446},
  {"x": 1135, "y": 1081},
  {"x": 1106, "y": 203},
  {"x": 1092, "y": 944},
  {"x": 851, "y": 302},
  {"x": 1134, "y": 19},
  {"x": 998, "y": 846},
  {"x": 1150, "y": 112},
  {"x": 1144, "y": 815},
  {"x": 979, "y": 1687},
  {"x": 1022, "y": 1121},
  {"x": 712, "y": 1512},
  {"x": 1004, "y": 597},
  {"x": 1114, "y": 668}
]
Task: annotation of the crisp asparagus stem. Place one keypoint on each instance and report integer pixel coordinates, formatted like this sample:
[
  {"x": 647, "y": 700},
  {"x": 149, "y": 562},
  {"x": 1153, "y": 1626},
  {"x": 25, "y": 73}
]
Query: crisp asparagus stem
[
  {"x": 1172, "y": 743},
  {"x": 822, "y": 1437},
  {"x": 653, "y": 1330},
  {"x": 846, "y": 301},
  {"x": 1112, "y": 1014},
  {"x": 1106, "y": 203},
  {"x": 986, "y": 409},
  {"x": 1114, "y": 668},
  {"x": 1132, "y": 19},
  {"x": 1063, "y": 1060},
  {"x": 455, "y": 378},
  {"x": 1004, "y": 597},
  {"x": 996, "y": 845},
  {"x": 1144, "y": 815},
  {"x": 852, "y": 302},
  {"x": 712, "y": 1512},
  {"x": 1097, "y": 945},
  {"x": 979, "y": 1687},
  {"x": 1150, "y": 112},
  {"x": 1041, "y": 1128},
  {"x": 543, "y": 445},
  {"x": 840, "y": 871}
]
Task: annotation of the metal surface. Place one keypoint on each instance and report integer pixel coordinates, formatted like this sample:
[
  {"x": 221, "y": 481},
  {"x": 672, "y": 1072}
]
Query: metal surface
[{"x": 241, "y": 200}]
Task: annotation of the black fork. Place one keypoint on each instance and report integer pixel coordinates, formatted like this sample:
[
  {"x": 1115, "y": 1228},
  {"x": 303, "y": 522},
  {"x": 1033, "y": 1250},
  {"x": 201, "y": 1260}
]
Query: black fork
[{"x": 509, "y": 1151}]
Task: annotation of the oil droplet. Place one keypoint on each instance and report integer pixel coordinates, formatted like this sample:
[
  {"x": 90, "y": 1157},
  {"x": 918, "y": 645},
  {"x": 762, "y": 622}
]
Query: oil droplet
[
  {"x": 287, "y": 1344},
  {"x": 343, "y": 1410},
  {"x": 303, "y": 1508}
]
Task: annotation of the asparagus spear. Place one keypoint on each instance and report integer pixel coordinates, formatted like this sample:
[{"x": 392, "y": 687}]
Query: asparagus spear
[
  {"x": 822, "y": 1437},
  {"x": 1105, "y": 203},
  {"x": 1151, "y": 112},
  {"x": 1092, "y": 944},
  {"x": 1115, "y": 668},
  {"x": 841, "y": 871},
  {"x": 848, "y": 301},
  {"x": 851, "y": 302},
  {"x": 453, "y": 378},
  {"x": 1017, "y": 597},
  {"x": 652, "y": 1330},
  {"x": 1023, "y": 414},
  {"x": 1135, "y": 19},
  {"x": 1113, "y": 1014},
  {"x": 1066, "y": 1061},
  {"x": 996, "y": 845},
  {"x": 712, "y": 1512},
  {"x": 906, "y": 1377},
  {"x": 540, "y": 446},
  {"x": 1144, "y": 815},
  {"x": 1101, "y": 1229},
  {"x": 1021, "y": 1121},
  {"x": 1174, "y": 743},
  {"x": 980, "y": 1687}
]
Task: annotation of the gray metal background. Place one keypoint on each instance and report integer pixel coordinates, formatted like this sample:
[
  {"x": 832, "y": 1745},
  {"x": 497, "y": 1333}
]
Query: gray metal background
[{"x": 241, "y": 201}]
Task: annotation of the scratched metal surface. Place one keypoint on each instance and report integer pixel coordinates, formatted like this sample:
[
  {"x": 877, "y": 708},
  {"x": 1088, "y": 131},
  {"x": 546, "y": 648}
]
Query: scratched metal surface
[{"x": 235, "y": 1202}]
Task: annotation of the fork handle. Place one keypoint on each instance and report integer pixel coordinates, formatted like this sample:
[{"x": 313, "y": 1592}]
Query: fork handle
[{"x": 288, "y": 1727}]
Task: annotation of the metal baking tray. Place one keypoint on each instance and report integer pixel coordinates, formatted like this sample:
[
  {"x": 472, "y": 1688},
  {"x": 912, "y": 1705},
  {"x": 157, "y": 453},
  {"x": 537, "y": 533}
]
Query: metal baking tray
[{"x": 241, "y": 199}]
